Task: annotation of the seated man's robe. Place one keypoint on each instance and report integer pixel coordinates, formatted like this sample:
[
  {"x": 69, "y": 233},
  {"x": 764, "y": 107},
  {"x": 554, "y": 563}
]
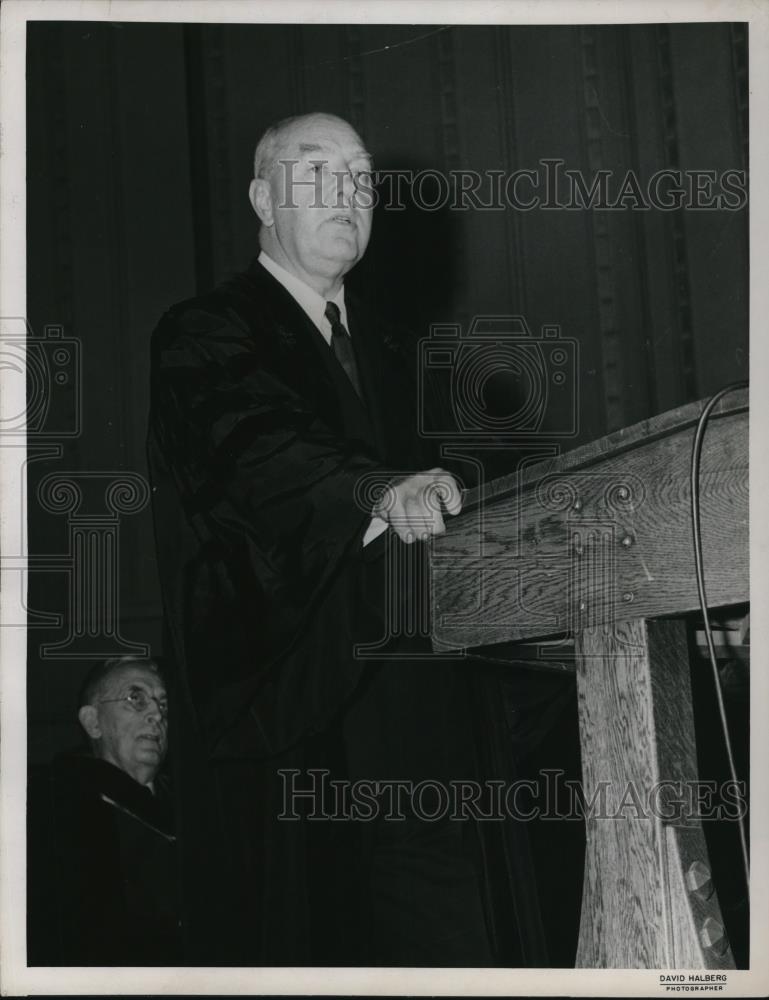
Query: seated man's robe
[{"x": 102, "y": 867}]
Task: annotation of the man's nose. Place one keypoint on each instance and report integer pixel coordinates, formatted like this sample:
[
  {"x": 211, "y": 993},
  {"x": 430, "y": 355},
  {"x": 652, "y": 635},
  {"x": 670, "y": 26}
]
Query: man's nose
[{"x": 153, "y": 712}]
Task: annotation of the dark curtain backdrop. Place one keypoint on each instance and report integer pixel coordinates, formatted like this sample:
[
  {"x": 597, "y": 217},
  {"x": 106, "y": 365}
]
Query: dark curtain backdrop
[{"x": 140, "y": 141}]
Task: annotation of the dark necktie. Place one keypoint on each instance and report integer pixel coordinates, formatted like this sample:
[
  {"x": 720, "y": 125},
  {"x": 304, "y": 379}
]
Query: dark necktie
[{"x": 341, "y": 345}]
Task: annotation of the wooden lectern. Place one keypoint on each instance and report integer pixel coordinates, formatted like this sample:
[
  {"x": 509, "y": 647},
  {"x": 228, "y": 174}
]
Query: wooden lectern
[{"x": 596, "y": 544}]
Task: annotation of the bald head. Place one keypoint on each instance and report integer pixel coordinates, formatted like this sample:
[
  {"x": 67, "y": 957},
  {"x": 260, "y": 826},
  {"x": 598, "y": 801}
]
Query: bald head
[
  {"x": 278, "y": 137},
  {"x": 308, "y": 193}
]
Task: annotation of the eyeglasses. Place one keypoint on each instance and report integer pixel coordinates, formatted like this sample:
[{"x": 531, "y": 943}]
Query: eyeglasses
[{"x": 140, "y": 701}]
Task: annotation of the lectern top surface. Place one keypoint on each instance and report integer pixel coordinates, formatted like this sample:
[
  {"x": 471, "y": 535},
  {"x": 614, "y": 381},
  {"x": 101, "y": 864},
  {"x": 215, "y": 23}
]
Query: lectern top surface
[{"x": 644, "y": 432}]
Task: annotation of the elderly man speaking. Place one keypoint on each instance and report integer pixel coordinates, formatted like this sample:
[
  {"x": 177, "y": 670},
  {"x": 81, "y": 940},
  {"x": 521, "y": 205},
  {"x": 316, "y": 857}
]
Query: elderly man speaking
[{"x": 287, "y": 476}]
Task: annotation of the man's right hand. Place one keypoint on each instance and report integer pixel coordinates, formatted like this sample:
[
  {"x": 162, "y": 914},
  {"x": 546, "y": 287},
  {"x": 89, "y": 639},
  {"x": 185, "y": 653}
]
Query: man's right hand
[{"x": 414, "y": 506}]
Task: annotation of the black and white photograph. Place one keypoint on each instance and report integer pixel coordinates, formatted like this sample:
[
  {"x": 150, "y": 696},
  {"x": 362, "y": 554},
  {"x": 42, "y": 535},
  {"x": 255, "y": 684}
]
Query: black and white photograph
[{"x": 381, "y": 498}]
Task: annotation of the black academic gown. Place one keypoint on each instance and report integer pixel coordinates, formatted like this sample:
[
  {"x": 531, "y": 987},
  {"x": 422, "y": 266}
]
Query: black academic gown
[
  {"x": 254, "y": 481},
  {"x": 263, "y": 461},
  {"x": 102, "y": 868}
]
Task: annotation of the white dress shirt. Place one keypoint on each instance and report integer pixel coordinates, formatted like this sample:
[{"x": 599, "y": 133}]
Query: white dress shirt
[{"x": 315, "y": 307}]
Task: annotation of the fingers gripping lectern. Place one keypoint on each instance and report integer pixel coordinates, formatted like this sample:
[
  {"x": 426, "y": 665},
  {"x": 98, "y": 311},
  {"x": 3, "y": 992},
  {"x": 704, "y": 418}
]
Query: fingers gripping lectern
[{"x": 596, "y": 544}]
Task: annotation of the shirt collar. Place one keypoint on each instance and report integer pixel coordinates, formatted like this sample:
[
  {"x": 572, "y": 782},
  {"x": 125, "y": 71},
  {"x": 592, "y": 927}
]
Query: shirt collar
[{"x": 312, "y": 303}]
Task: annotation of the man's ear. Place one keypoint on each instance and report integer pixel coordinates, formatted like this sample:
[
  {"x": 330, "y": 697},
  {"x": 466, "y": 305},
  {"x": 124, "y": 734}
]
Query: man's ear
[
  {"x": 260, "y": 196},
  {"x": 89, "y": 720}
]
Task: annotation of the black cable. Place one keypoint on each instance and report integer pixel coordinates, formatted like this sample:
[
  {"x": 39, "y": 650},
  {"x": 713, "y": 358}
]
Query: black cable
[{"x": 697, "y": 533}]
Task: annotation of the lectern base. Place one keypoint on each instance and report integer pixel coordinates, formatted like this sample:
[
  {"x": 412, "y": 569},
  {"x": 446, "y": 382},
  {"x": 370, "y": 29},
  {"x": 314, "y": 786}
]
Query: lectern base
[{"x": 649, "y": 900}]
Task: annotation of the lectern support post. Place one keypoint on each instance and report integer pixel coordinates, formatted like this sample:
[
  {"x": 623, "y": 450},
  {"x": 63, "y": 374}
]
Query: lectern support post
[{"x": 648, "y": 899}]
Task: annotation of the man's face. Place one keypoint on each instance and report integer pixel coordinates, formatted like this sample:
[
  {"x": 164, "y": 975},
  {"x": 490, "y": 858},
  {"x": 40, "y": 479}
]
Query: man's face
[
  {"x": 133, "y": 740},
  {"x": 316, "y": 209}
]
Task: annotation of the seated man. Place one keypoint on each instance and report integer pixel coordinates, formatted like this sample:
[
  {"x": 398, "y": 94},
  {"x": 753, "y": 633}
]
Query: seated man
[{"x": 102, "y": 865}]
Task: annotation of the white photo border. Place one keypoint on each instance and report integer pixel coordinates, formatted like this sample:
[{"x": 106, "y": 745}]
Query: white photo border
[{"x": 15, "y": 977}]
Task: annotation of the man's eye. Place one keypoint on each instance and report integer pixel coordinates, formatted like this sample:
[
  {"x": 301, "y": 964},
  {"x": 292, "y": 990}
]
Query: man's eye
[{"x": 364, "y": 179}]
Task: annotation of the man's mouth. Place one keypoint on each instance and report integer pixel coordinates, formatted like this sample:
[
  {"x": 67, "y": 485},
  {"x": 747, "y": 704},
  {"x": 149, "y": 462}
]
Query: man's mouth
[
  {"x": 152, "y": 737},
  {"x": 345, "y": 220}
]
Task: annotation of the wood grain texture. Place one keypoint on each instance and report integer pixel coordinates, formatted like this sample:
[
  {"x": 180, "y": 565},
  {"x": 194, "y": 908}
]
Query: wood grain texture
[
  {"x": 603, "y": 535},
  {"x": 637, "y": 736},
  {"x": 623, "y": 916},
  {"x": 611, "y": 445}
]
